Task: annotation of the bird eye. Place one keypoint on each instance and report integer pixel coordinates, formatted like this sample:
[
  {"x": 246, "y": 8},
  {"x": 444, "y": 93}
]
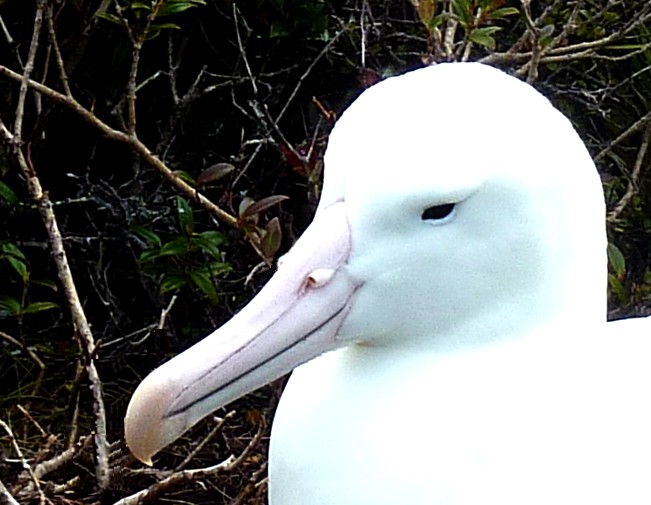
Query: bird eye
[{"x": 437, "y": 212}]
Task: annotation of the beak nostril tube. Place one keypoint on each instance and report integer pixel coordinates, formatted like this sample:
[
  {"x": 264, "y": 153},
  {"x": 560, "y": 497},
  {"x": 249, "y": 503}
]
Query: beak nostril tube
[{"x": 319, "y": 277}]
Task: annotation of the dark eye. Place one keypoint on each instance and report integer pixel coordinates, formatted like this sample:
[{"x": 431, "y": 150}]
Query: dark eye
[{"x": 436, "y": 212}]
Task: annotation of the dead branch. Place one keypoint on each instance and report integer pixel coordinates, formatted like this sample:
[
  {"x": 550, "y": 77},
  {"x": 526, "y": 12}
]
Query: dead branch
[
  {"x": 26, "y": 466},
  {"x": 255, "y": 482},
  {"x": 24, "y": 349},
  {"x": 309, "y": 69},
  {"x": 31, "y": 419},
  {"x": 63, "y": 77},
  {"x": 136, "y": 145},
  {"x": 632, "y": 185},
  {"x": 6, "y": 498},
  {"x": 534, "y": 37},
  {"x": 185, "y": 476},
  {"x": 55, "y": 463},
  {"x": 635, "y": 127},
  {"x": 218, "y": 427},
  {"x": 82, "y": 328},
  {"x": 137, "y": 39}
]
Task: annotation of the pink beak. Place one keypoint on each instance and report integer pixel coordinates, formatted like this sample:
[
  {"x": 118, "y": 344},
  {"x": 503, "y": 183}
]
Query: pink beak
[{"x": 294, "y": 318}]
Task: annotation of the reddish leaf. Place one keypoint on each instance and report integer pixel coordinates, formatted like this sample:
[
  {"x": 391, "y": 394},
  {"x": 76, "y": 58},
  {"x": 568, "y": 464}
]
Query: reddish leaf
[
  {"x": 259, "y": 206},
  {"x": 292, "y": 157},
  {"x": 214, "y": 173},
  {"x": 368, "y": 77}
]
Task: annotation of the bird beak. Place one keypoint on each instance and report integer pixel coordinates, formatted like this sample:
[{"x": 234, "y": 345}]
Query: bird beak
[{"x": 294, "y": 318}]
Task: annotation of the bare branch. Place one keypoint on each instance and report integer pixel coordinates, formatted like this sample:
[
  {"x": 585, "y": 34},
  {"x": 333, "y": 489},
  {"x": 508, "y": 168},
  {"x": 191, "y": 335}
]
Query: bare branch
[
  {"x": 6, "y": 497},
  {"x": 635, "y": 127},
  {"x": 174, "y": 479},
  {"x": 85, "y": 337},
  {"x": 218, "y": 427},
  {"x": 309, "y": 69},
  {"x": 23, "y": 461},
  {"x": 632, "y": 186},
  {"x": 29, "y": 67},
  {"x": 534, "y": 37},
  {"x": 183, "y": 476},
  {"x": 132, "y": 142},
  {"x": 24, "y": 349},
  {"x": 56, "y": 462},
  {"x": 57, "y": 53}
]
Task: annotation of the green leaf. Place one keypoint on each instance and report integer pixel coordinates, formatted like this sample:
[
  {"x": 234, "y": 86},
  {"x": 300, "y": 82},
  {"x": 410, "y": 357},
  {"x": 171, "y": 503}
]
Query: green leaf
[
  {"x": 147, "y": 234},
  {"x": 209, "y": 242},
  {"x": 19, "y": 266},
  {"x": 149, "y": 255},
  {"x": 186, "y": 217},
  {"x": 7, "y": 193},
  {"x": 172, "y": 7},
  {"x": 172, "y": 283},
  {"x": 12, "y": 249},
  {"x": 546, "y": 34},
  {"x": 617, "y": 288},
  {"x": 503, "y": 12},
  {"x": 216, "y": 238},
  {"x": 139, "y": 6},
  {"x": 35, "y": 307},
  {"x": 154, "y": 30},
  {"x": 110, "y": 17},
  {"x": 616, "y": 260},
  {"x": 483, "y": 36},
  {"x": 46, "y": 283},
  {"x": 182, "y": 174},
  {"x": 10, "y": 306},
  {"x": 204, "y": 282},
  {"x": 270, "y": 241},
  {"x": 216, "y": 268},
  {"x": 175, "y": 247},
  {"x": 461, "y": 9},
  {"x": 436, "y": 22}
]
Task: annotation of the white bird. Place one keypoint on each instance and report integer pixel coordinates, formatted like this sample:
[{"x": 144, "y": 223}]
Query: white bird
[{"x": 448, "y": 309}]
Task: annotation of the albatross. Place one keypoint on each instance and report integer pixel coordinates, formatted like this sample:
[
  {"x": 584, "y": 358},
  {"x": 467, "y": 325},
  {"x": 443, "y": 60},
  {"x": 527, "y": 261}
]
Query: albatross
[{"x": 446, "y": 315}]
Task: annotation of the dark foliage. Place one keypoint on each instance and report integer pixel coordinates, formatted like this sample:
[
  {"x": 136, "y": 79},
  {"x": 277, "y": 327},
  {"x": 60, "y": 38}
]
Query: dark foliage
[{"x": 237, "y": 100}]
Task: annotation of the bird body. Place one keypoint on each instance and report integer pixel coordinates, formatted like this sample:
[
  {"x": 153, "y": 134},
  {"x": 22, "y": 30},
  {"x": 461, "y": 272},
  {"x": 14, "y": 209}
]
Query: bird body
[
  {"x": 447, "y": 307},
  {"x": 536, "y": 421}
]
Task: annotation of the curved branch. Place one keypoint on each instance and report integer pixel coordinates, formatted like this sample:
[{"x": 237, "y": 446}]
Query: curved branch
[{"x": 136, "y": 145}]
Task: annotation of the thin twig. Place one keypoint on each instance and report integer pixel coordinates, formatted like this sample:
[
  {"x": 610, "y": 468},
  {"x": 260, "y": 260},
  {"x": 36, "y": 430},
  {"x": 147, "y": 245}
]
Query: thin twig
[
  {"x": 183, "y": 476},
  {"x": 632, "y": 186},
  {"x": 24, "y": 412},
  {"x": 242, "y": 52},
  {"x": 216, "y": 429},
  {"x": 63, "y": 77},
  {"x": 136, "y": 145},
  {"x": 308, "y": 70},
  {"x": 23, "y": 348},
  {"x": 534, "y": 37},
  {"x": 82, "y": 328},
  {"x": 254, "y": 483},
  {"x": 23, "y": 461},
  {"x": 27, "y": 72},
  {"x": 56, "y": 462},
  {"x": 635, "y": 127},
  {"x": 6, "y": 498}
]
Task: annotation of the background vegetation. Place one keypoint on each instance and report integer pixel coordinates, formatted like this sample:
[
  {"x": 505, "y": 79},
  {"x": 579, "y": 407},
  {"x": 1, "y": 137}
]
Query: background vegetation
[{"x": 157, "y": 155}]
